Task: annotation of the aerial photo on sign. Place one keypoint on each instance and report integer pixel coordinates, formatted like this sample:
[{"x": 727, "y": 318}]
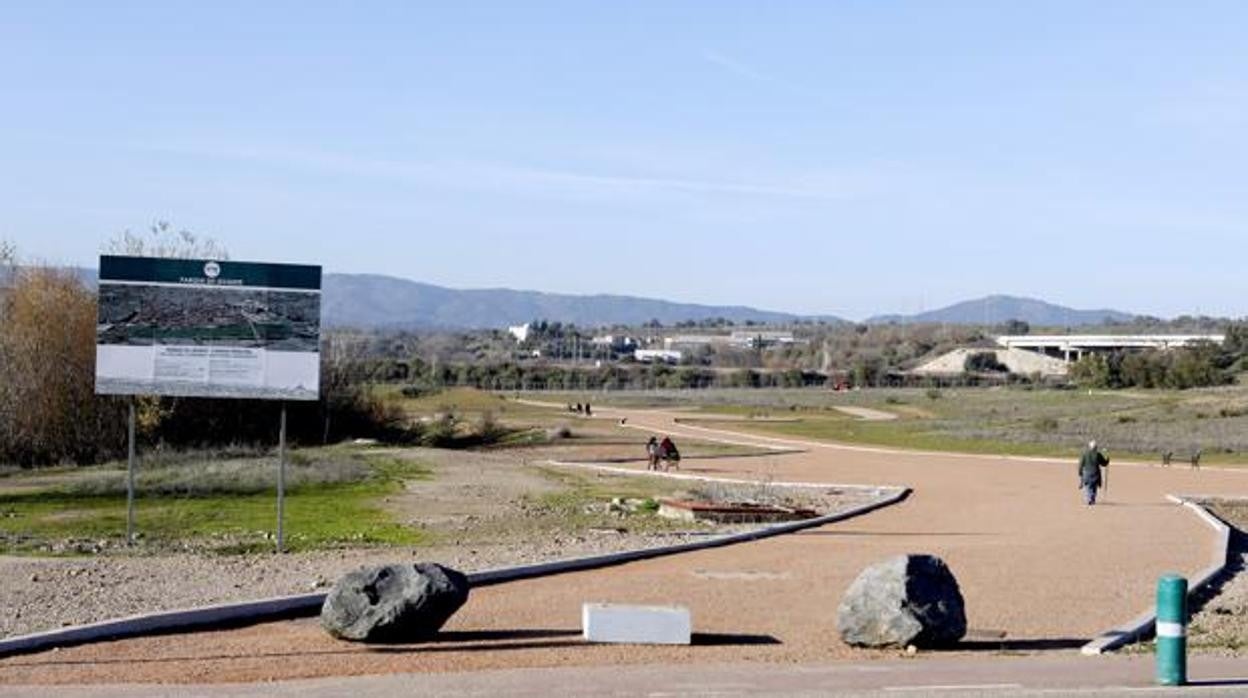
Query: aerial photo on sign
[{"x": 207, "y": 328}]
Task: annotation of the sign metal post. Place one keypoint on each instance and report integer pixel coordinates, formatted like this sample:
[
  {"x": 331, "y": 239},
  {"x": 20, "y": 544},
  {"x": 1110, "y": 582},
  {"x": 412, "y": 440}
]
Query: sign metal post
[
  {"x": 281, "y": 483},
  {"x": 210, "y": 329},
  {"x": 130, "y": 479}
]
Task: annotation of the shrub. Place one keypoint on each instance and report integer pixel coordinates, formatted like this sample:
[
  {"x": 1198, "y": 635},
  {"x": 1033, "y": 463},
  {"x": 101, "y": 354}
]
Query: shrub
[
  {"x": 984, "y": 362},
  {"x": 441, "y": 432},
  {"x": 49, "y": 412},
  {"x": 563, "y": 431}
]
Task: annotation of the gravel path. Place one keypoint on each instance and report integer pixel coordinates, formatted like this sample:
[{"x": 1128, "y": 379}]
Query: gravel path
[
  {"x": 1038, "y": 569},
  {"x": 1221, "y": 625}
]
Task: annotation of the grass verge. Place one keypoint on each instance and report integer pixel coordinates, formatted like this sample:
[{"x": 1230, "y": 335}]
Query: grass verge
[{"x": 333, "y": 499}]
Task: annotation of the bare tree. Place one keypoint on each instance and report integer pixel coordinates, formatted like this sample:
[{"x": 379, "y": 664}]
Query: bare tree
[{"x": 162, "y": 240}]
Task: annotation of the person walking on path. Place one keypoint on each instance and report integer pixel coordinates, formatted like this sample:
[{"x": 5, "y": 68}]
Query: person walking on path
[
  {"x": 668, "y": 454},
  {"x": 1090, "y": 480},
  {"x": 652, "y": 453}
]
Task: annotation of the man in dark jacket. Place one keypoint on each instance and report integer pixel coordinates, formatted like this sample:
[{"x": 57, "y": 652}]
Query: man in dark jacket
[{"x": 1090, "y": 464}]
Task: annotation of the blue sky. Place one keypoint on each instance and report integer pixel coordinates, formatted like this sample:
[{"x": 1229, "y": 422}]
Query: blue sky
[{"x": 848, "y": 158}]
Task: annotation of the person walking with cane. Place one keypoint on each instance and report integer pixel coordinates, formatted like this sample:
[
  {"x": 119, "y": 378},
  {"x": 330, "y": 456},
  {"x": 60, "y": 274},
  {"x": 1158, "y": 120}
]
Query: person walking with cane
[{"x": 1090, "y": 479}]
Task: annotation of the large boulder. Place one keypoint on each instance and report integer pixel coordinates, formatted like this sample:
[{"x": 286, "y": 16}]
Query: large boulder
[
  {"x": 393, "y": 603},
  {"x": 906, "y": 600}
]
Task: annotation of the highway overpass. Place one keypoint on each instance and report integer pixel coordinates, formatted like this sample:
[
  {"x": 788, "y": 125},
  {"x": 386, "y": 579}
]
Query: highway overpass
[{"x": 1071, "y": 347}]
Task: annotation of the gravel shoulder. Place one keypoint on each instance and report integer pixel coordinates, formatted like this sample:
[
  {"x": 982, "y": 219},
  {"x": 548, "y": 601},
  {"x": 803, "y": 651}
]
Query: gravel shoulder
[{"x": 1221, "y": 625}]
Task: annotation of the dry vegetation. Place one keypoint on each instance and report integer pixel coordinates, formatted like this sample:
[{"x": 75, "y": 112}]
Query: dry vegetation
[
  {"x": 48, "y": 410},
  {"x": 1141, "y": 424}
]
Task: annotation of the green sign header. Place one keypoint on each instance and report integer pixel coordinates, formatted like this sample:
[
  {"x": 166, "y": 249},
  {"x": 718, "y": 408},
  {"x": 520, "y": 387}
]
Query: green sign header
[{"x": 207, "y": 272}]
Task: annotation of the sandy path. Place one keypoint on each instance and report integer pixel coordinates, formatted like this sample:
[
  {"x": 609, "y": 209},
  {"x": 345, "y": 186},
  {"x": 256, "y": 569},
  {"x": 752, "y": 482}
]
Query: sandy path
[
  {"x": 868, "y": 414},
  {"x": 1036, "y": 566}
]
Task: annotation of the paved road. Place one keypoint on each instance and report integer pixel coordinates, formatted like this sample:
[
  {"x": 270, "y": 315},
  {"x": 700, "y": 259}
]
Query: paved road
[
  {"x": 1061, "y": 674},
  {"x": 1039, "y": 570}
]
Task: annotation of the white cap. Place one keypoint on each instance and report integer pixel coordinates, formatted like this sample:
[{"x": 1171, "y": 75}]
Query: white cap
[{"x": 1092, "y": 444}]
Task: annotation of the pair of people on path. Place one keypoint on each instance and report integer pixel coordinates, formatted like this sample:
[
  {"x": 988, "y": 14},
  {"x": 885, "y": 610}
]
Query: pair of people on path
[
  {"x": 1090, "y": 479},
  {"x": 661, "y": 452}
]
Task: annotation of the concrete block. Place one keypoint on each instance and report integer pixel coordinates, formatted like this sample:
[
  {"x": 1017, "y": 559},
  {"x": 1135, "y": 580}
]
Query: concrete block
[{"x": 649, "y": 625}]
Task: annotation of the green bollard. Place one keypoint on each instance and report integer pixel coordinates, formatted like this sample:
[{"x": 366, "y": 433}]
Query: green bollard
[{"x": 1171, "y": 630}]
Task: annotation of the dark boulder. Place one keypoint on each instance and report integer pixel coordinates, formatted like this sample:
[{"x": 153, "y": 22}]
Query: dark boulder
[
  {"x": 906, "y": 600},
  {"x": 393, "y": 603}
]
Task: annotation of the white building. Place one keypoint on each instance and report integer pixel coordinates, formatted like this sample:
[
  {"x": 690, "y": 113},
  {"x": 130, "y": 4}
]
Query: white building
[
  {"x": 520, "y": 332},
  {"x": 761, "y": 338},
  {"x": 694, "y": 341},
  {"x": 652, "y": 356}
]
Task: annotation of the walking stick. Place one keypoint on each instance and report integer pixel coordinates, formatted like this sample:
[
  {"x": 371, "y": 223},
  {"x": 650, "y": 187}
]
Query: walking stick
[{"x": 1105, "y": 480}]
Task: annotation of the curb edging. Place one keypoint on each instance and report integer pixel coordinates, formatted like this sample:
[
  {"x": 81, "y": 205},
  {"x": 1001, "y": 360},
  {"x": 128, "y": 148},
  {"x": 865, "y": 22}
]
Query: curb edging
[
  {"x": 278, "y": 608},
  {"x": 1141, "y": 627},
  {"x": 308, "y": 605}
]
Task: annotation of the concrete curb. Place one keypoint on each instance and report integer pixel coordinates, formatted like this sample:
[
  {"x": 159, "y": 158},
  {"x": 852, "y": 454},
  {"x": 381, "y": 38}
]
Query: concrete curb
[
  {"x": 166, "y": 621},
  {"x": 307, "y": 605},
  {"x": 1141, "y": 627}
]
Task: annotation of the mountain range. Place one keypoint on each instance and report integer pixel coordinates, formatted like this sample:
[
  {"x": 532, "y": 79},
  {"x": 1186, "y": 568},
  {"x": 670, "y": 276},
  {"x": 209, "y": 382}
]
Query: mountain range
[
  {"x": 371, "y": 300},
  {"x": 997, "y": 309},
  {"x": 368, "y": 301}
]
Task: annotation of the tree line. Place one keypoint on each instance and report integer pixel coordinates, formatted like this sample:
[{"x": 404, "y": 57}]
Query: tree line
[{"x": 1202, "y": 365}]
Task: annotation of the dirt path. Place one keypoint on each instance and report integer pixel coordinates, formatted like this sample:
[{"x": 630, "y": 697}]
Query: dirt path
[
  {"x": 1038, "y": 570},
  {"x": 868, "y": 414}
]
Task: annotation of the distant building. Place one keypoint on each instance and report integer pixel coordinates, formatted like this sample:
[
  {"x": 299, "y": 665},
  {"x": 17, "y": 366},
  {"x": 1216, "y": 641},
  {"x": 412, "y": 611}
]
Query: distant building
[
  {"x": 662, "y": 356},
  {"x": 614, "y": 342},
  {"x": 740, "y": 339},
  {"x": 693, "y": 341},
  {"x": 520, "y": 332},
  {"x": 761, "y": 338}
]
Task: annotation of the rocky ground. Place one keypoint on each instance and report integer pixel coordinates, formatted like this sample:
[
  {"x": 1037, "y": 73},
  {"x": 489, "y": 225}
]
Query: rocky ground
[{"x": 1221, "y": 624}]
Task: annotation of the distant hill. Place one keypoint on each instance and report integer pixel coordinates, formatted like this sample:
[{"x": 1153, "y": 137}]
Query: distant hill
[
  {"x": 370, "y": 300},
  {"x": 374, "y": 301},
  {"x": 997, "y": 309}
]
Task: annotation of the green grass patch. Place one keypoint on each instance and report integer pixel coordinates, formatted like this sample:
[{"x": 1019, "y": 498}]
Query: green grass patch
[{"x": 229, "y": 513}]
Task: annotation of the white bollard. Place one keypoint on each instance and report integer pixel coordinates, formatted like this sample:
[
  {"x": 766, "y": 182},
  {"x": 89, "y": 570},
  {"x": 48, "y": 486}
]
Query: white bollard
[{"x": 649, "y": 625}]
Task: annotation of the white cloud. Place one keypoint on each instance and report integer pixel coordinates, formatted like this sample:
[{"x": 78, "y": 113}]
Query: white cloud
[{"x": 735, "y": 66}]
